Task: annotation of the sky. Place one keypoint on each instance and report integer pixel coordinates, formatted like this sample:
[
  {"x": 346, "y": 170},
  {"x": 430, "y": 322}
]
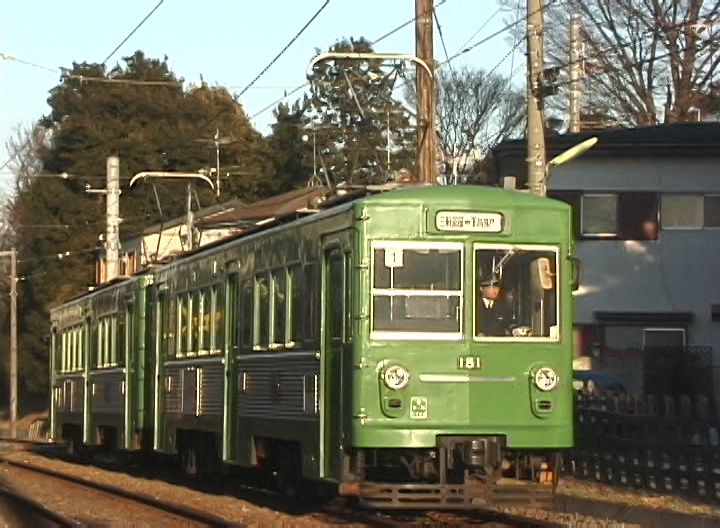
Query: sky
[{"x": 227, "y": 42}]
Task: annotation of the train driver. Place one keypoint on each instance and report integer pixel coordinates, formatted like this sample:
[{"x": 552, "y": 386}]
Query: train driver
[{"x": 493, "y": 313}]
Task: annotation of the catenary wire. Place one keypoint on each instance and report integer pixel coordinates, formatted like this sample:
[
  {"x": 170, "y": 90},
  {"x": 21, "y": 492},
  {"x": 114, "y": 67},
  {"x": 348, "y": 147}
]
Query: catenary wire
[
  {"x": 133, "y": 31},
  {"x": 376, "y": 41},
  {"x": 282, "y": 51}
]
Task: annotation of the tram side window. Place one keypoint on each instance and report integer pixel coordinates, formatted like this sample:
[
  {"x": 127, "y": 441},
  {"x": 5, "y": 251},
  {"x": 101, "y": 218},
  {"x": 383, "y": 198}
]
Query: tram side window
[
  {"x": 195, "y": 323},
  {"x": 170, "y": 329},
  {"x": 247, "y": 307},
  {"x": 128, "y": 333},
  {"x": 183, "y": 329},
  {"x": 311, "y": 298},
  {"x": 102, "y": 345},
  {"x": 204, "y": 321},
  {"x": 218, "y": 318},
  {"x": 113, "y": 341},
  {"x": 81, "y": 347},
  {"x": 295, "y": 317},
  {"x": 262, "y": 293},
  {"x": 279, "y": 281},
  {"x": 231, "y": 309}
]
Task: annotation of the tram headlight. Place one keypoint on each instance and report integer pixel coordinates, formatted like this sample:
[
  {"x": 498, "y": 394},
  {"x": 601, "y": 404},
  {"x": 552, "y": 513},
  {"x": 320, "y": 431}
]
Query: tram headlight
[
  {"x": 546, "y": 379},
  {"x": 396, "y": 377}
]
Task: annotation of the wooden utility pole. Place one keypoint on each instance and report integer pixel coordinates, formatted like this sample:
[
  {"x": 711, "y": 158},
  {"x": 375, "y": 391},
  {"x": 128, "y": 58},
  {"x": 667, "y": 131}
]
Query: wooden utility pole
[
  {"x": 13, "y": 340},
  {"x": 425, "y": 84},
  {"x": 535, "y": 120},
  {"x": 575, "y": 71}
]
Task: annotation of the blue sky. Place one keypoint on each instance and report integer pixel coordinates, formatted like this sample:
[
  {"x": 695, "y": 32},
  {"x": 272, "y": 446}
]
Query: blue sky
[{"x": 228, "y": 42}]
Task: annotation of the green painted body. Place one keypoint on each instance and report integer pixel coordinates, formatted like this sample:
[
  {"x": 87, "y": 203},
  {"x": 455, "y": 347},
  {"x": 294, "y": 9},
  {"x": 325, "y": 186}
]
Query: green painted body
[
  {"x": 462, "y": 408},
  {"x": 325, "y": 392}
]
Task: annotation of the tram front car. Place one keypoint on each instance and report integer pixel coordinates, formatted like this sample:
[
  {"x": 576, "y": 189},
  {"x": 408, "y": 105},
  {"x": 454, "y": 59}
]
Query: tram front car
[{"x": 453, "y": 394}]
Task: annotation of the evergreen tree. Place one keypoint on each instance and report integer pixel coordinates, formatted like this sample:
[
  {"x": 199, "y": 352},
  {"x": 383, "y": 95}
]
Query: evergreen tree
[
  {"x": 140, "y": 113},
  {"x": 350, "y": 104},
  {"x": 291, "y": 143}
]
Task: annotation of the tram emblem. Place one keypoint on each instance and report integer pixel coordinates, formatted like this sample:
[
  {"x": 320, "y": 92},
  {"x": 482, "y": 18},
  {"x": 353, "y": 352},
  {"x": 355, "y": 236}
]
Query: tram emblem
[{"x": 418, "y": 408}]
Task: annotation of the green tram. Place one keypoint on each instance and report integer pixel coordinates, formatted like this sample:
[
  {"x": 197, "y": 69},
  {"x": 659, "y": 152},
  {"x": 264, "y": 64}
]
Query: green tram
[{"x": 346, "y": 346}]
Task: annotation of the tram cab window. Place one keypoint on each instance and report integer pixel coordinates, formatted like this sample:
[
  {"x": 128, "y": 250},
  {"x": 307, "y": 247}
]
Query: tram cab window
[
  {"x": 515, "y": 292},
  {"x": 417, "y": 290}
]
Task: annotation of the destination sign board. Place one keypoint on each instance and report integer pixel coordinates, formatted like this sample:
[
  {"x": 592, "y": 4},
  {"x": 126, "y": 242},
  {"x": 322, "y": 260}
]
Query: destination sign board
[{"x": 468, "y": 221}]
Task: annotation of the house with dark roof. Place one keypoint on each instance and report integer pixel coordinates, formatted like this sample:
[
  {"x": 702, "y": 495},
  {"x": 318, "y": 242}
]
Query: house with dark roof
[
  {"x": 167, "y": 240},
  {"x": 646, "y": 205}
]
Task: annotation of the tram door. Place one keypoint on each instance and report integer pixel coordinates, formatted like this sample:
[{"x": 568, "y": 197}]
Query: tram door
[{"x": 335, "y": 303}]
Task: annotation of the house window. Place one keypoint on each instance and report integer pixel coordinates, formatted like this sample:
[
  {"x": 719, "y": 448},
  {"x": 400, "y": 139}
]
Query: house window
[
  {"x": 712, "y": 211},
  {"x": 682, "y": 211},
  {"x": 663, "y": 338},
  {"x": 599, "y": 215},
  {"x": 618, "y": 216}
]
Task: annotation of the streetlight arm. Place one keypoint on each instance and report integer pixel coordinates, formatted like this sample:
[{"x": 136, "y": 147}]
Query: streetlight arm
[
  {"x": 361, "y": 56},
  {"x": 569, "y": 154},
  {"x": 573, "y": 152}
]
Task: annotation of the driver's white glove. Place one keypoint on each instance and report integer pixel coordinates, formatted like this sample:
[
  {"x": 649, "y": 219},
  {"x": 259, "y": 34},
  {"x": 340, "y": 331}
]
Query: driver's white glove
[{"x": 522, "y": 331}]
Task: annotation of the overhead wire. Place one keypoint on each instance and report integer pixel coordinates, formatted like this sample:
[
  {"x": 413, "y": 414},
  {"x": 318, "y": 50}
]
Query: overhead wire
[
  {"x": 373, "y": 43},
  {"x": 442, "y": 42},
  {"x": 133, "y": 31},
  {"x": 84, "y": 78},
  {"x": 282, "y": 51}
]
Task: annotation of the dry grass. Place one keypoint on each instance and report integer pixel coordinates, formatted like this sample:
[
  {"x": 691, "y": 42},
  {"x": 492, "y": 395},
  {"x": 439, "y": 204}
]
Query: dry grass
[{"x": 631, "y": 497}]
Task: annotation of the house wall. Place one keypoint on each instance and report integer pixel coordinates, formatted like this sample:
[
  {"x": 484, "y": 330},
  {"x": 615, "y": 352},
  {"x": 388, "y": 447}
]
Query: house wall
[{"x": 675, "y": 273}]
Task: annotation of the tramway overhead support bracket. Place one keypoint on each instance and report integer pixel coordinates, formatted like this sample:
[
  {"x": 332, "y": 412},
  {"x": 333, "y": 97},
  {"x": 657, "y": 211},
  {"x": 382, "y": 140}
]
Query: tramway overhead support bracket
[{"x": 172, "y": 175}]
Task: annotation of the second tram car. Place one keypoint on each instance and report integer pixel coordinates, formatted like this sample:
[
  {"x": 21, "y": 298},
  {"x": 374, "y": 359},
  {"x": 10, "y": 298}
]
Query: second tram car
[{"x": 346, "y": 347}]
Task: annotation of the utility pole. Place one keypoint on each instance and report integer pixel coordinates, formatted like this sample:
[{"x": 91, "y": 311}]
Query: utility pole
[
  {"x": 575, "y": 70},
  {"x": 13, "y": 340},
  {"x": 425, "y": 85},
  {"x": 535, "y": 120},
  {"x": 112, "y": 217}
]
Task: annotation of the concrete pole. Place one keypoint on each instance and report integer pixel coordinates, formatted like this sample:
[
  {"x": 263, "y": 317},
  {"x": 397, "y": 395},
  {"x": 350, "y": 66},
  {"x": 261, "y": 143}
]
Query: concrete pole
[
  {"x": 112, "y": 235},
  {"x": 536, "y": 125},
  {"x": 575, "y": 71},
  {"x": 425, "y": 84}
]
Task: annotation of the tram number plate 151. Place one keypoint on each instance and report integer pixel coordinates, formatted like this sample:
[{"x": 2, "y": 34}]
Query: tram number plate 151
[{"x": 469, "y": 363}]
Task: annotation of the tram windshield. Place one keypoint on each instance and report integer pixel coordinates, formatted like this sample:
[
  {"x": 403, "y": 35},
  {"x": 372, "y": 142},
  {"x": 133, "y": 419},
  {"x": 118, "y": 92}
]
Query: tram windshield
[
  {"x": 515, "y": 292},
  {"x": 417, "y": 290}
]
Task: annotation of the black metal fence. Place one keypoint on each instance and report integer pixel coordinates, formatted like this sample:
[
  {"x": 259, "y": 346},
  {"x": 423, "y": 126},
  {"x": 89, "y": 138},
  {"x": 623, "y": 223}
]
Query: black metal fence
[{"x": 664, "y": 444}]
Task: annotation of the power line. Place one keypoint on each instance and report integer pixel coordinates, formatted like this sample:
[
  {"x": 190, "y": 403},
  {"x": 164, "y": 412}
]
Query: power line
[
  {"x": 5, "y": 56},
  {"x": 442, "y": 41},
  {"x": 282, "y": 51},
  {"x": 481, "y": 28},
  {"x": 373, "y": 43},
  {"x": 401, "y": 26},
  {"x": 133, "y": 31},
  {"x": 83, "y": 78}
]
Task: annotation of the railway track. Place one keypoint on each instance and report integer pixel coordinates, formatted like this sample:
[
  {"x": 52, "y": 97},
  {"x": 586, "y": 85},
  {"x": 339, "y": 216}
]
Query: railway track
[
  {"x": 338, "y": 511},
  {"x": 95, "y": 501},
  {"x": 19, "y": 509}
]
